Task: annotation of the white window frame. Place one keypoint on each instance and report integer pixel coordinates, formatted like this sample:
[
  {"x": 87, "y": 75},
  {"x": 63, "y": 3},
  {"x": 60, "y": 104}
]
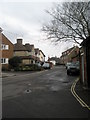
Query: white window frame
[{"x": 4, "y": 47}]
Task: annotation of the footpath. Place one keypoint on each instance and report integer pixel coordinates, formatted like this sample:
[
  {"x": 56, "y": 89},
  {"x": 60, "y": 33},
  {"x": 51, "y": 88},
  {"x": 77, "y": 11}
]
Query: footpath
[{"x": 83, "y": 93}]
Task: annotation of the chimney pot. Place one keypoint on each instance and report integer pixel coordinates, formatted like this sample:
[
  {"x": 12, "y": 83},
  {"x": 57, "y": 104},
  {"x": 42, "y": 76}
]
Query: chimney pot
[{"x": 19, "y": 41}]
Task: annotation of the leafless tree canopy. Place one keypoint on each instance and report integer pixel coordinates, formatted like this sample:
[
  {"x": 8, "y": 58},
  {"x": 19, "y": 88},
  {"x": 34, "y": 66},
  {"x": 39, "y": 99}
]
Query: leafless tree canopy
[{"x": 70, "y": 21}]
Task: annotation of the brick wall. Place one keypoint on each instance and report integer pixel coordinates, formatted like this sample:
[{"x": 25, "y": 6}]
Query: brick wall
[{"x": 9, "y": 52}]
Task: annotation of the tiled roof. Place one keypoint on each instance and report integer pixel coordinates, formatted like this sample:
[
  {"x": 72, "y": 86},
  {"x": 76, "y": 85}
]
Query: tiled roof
[
  {"x": 29, "y": 47},
  {"x": 68, "y": 50},
  {"x": 4, "y": 36},
  {"x": 19, "y": 47}
]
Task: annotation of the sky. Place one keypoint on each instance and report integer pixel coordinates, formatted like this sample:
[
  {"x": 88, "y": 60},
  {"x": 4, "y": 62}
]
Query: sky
[{"x": 24, "y": 19}]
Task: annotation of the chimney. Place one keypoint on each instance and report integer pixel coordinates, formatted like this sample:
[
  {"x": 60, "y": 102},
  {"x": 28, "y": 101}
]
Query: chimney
[
  {"x": 27, "y": 45},
  {"x": 19, "y": 41}
]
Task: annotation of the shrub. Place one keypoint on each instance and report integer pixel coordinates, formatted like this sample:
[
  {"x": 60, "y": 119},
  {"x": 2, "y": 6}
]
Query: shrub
[
  {"x": 15, "y": 62},
  {"x": 30, "y": 67}
]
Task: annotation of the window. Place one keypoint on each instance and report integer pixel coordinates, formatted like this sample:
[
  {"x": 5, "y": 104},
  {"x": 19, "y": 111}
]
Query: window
[
  {"x": 4, "y": 60},
  {"x": 4, "y": 47},
  {"x": 35, "y": 53},
  {"x": 31, "y": 61},
  {"x": 35, "y": 61}
]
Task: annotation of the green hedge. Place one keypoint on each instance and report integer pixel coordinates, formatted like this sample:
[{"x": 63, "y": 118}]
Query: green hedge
[{"x": 31, "y": 67}]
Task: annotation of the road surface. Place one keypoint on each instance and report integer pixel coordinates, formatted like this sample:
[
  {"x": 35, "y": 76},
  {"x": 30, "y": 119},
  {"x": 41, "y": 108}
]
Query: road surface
[{"x": 45, "y": 94}]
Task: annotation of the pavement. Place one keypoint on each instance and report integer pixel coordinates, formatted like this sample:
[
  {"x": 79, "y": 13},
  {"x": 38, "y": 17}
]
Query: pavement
[{"x": 83, "y": 93}]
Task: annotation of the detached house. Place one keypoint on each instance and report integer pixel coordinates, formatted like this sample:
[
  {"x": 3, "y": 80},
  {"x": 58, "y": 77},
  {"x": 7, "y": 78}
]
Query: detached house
[
  {"x": 6, "y": 49},
  {"x": 70, "y": 55},
  {"x": 26, "y": 52}
]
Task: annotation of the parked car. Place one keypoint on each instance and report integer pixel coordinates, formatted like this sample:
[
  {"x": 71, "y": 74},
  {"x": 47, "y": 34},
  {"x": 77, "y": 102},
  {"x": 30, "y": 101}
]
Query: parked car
[
  {"x": 38, "y": 64},
  {"x": 73, "y": 68},
  {"x": 68, "y": 64},
  {"x": 46, "y": 65}
]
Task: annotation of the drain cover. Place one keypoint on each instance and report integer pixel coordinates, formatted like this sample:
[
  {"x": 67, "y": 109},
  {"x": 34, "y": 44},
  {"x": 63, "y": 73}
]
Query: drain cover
[
  {"x": 28, "y": 91},
  {"x": 29, "y": 84}
]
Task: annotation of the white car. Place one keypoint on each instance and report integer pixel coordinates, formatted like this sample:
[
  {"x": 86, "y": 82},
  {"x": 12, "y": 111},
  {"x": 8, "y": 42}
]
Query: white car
[{"x": 46, "y": 65}]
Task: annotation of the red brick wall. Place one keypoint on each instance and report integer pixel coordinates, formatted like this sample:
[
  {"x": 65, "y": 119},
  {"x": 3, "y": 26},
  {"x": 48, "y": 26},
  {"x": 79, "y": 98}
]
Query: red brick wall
[{"x": 7, "y": 53}]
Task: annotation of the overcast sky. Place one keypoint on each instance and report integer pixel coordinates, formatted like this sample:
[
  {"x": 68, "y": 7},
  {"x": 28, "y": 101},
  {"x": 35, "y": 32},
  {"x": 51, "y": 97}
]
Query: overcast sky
[{"x": 25, "y": 19}]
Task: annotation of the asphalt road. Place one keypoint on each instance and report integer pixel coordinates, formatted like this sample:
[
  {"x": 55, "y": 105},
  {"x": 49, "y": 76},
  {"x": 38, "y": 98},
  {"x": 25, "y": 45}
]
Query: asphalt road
[{"x": 44, "y": 94}]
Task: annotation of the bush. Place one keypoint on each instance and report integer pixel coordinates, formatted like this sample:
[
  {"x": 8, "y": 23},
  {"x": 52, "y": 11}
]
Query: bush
[
  {"x": 31, "y": 67},
  {"x": 15, "y": 62}
]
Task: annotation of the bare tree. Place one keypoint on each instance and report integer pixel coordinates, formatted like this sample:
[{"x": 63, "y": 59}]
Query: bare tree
[{"x": 70, "y": 22}]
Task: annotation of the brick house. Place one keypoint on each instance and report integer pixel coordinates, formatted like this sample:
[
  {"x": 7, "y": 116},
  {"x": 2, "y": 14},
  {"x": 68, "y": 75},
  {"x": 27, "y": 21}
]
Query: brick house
[
  {"x": 85, "y": 62},
  {"x": 6, "y": 50},
  {"x": 70, "y": 55}
]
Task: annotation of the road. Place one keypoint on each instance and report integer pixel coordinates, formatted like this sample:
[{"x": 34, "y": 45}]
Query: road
[{"x": 45, "y": 94}]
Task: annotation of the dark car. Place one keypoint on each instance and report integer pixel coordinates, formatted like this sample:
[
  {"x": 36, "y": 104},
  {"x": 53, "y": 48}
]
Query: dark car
[
  {"x": 73, "y": 68},
  {"x": 68, "y": 64}
]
